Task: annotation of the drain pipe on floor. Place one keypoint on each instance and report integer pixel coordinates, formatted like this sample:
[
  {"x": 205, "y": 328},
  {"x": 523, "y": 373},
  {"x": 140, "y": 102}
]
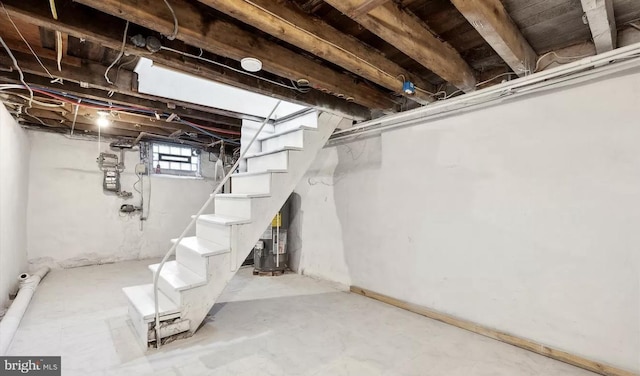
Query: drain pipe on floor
[{"x": 11, "y": 320}]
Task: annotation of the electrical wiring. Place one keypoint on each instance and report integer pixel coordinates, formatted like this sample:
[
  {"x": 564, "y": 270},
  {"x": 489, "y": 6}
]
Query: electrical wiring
[
  {"x": 219, "y": 130},
  {"x": 39, "y": 103},
  {"x": 15, "y": 63},
  {"x": 207, "y": 133},
  {"x": 314, "y": 36},
  {"x": 417, "y": 88},
  {"x": 133, "y": 58},
  {"x": 498, "y": 76},
  {"x": 25, "y": 41},
  {"x": 300, "y": 89},
  {"x": 478, "y": 84},
  {"x": 231, "y": 68},
  {"x": 175, "y": 22},
  {"x": 75, "y": 116},
  {"x": 124, "y": 42},
  {"x": 558, "y": 57},
  {"x": 72, "y": 99},
  {"x": 26, "y": 112},
  {"x": 148, "y": 198},
  {"x": 135, "y": 188},
  {"x": 102, "y": 104},
  {"x": 62, "y": 98}
]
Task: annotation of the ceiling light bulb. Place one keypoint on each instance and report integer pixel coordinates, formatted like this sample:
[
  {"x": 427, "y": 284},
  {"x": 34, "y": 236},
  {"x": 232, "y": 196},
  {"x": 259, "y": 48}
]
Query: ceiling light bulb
[
  {"x": 102, "y": 121},
  {"x": 102, "y": 114},
  {"x": 251, "y": 64}
]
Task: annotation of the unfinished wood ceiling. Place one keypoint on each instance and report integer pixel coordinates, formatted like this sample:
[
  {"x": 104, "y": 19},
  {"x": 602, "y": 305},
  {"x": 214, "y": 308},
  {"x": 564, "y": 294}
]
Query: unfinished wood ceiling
[{"x": 351, "y": 56}]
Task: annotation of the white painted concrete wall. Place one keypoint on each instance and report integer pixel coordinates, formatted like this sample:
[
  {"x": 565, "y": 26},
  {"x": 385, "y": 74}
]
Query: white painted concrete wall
[
  {"x": 72, "y": 222},
  {"x": 14, "y": 170},
  {"x": 522, "y": 217}
]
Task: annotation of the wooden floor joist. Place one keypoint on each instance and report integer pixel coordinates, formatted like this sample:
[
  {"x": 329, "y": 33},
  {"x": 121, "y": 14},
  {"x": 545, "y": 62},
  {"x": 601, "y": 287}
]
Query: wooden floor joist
[
  {"x": 409, "y": 34},
  {"x": 285, "y": 21},
  {"x": 491, "y": 20},
  {"x": 563, "y": 356},
  {"x": 226, "y": 39},
  {"x": 102, "y": 31}
]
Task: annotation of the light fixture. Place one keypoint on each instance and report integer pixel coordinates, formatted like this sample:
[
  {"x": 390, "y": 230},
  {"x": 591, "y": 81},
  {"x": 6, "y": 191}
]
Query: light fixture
[
  {"x": 102, "y": 120},
  {"x": 251, "y": 64},
  {"x": 408, "y": 88}
]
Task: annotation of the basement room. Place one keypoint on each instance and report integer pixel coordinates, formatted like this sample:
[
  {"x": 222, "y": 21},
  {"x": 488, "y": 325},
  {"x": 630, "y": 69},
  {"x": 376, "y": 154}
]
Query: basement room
[{"x": 320, "y": 187}]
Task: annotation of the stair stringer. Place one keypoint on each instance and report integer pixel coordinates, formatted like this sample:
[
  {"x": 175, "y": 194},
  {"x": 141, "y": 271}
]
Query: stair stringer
[{"x": 197, "y": 302}]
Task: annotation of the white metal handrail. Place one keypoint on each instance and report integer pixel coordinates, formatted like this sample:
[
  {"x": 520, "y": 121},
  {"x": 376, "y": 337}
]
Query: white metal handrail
[{"x": 156, "y": 274}]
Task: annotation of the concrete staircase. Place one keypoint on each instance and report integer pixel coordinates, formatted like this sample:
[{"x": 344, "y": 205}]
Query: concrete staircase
[{"x": 204, "y": 264}]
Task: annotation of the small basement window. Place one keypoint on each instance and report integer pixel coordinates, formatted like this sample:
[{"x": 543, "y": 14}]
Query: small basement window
[{"x": 175, "y": 160}]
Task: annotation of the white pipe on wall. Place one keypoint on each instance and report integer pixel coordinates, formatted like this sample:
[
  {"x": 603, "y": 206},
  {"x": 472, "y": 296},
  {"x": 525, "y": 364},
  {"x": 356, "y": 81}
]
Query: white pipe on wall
[
  {"x": 11, "y": 321},
  {"x": 619, "y": 59}
]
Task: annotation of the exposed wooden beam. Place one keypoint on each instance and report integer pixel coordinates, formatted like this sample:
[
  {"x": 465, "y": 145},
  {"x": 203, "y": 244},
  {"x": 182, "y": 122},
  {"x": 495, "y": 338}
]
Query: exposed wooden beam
[
  {"x": 146, "y": 123},
  {"x": 311, "y": 6},
  {"x": 88, "y": 119},
  {"x": 495, "y": 25},
  {"x": 105, "y": 31},
  {"x": 602, "y": 23},
  {"x": 18, "y": 45},
  {"x": 89, "y": 74},
  {"x": 410, "y": 35},
  {"x": 629, "y": 36},
  {"x": 161, "y": 105},
  {"x": 226, "y": 39},
  {"x": 365, "y": 7},
  {"x": 63, "y": 122},
  {"x": 58, "y": 121},
  {"x": 285, "y": 21}
]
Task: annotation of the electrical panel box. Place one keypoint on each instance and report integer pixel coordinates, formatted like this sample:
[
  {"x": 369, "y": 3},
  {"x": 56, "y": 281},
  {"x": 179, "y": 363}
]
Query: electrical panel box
[
  {"x": 141, "y": 169},
  {"x": 111, "y": 181}
]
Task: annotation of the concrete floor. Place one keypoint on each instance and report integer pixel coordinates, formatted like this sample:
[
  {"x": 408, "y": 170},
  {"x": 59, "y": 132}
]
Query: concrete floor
[{"x": 288, "y": 325}]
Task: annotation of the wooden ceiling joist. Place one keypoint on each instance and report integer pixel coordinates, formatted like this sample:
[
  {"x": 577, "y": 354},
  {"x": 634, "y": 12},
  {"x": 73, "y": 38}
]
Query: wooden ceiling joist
[
  {"x": 284, "y": 21},
  {"x": 365, "y": 7},
  {"x": 229, "y": 40},
  {"x": 602, "y": 23},
  {"x": 89, "y": 74},
  {"x": 192, "y": 112},
  {"x": 491, "y": 20},
  {"x": 67, "y": 118},
  {"x": 102, "y": 31},
  {"x": 57, "y": 120},
  {"x": 408, "y": 34}
]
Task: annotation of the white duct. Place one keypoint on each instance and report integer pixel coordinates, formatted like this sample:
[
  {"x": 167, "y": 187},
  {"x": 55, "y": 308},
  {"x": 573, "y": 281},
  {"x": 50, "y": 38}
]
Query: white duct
[{"x": 11, "y": 321}]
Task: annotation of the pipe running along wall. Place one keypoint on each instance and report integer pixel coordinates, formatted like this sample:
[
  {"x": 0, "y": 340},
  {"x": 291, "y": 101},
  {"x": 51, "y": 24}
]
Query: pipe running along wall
[{"x": 11, "y": 321}]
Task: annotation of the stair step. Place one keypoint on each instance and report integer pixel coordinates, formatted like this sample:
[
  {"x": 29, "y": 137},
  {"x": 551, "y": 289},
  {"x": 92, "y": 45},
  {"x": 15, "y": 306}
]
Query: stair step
[
  {"x": 238, "y": 204},
  {"x": 274, "y": 151},
  {"x": 274, "y": 171},
  {"x": 241, "y": 195},
  {"x": 279, "y": 158},
  {"x": 252, "y": 183},
  {"x": 223, "y": 219},
  {"x": 203, "y": 247},
  {"x": 141, "y": 297},
  {"x": 278, "y": 134},
  {"x": 179, "y": 277}
]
